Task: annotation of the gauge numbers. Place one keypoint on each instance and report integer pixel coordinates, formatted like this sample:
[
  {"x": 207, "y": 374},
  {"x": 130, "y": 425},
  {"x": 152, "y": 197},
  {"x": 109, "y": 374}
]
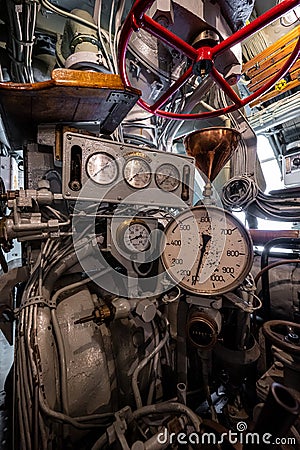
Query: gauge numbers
[
  {"x": 102, "y": 168},
  {"x": 167, "y": 177},
  {"x": 134, "y": 236},
  {"x": 207, "y": 251},
  {"x": 137, "y": 173}
]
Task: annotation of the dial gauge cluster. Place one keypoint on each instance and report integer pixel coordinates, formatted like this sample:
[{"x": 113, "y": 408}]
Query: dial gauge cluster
[
  {"x": 114, "y": 172},
  {"x": 207, "y": 251}
]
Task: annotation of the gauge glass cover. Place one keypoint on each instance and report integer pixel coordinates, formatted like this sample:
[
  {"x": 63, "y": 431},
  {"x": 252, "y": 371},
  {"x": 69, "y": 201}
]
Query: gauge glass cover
[
  {"x": 136, "y": 237},
  {"x": 102, "y": 168},
  {"x": 137, "y": 173},
  {"x": 167, "y": 177},
  {"x": 207, "y": 251}
]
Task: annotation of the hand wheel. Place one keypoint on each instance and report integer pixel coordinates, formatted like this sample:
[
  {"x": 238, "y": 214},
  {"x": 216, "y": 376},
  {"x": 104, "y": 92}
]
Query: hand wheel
[
  {"x": 287, "y": 337},
  {"x": 203, "y": 56}
]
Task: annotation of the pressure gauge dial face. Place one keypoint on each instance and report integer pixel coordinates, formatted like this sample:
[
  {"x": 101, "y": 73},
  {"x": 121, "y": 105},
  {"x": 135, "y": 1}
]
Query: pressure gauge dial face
[
  {"x": 102, "y": 168},
  {"x": 134, "y": 236},
  {"x": 207, "y": 251},
  {"x": 137, "y": 173},
  {"x": 167, "y": 177}
]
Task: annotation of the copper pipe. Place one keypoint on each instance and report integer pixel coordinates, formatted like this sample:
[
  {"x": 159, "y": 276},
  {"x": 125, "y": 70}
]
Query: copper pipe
[
  {"x": 275, "y": 264},
  {"x": 261, "y": 237}
]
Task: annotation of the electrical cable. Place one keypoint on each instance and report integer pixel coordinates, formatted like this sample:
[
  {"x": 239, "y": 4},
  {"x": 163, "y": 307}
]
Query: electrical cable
[
  {"x": 100, "y": 32},
  {"x": 275, "y": 264},
  {"x": 143, "y": 363},
  {"x": 242, "y": 191}
]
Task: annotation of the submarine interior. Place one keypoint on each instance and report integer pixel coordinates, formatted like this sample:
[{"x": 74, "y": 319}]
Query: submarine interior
[{"x": 149, "y": 224}]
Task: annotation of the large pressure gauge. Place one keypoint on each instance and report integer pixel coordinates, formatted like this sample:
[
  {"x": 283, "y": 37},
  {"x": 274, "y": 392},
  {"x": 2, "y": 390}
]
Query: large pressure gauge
[
  {"x": 137, "y": 172},
  {"x": 102, "y": 168},
  {"x": 207, "y": 251}
]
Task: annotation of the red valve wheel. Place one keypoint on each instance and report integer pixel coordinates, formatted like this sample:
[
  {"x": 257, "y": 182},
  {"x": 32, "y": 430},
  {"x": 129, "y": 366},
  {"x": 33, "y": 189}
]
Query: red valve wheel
[{"x": 137, "y": 19}]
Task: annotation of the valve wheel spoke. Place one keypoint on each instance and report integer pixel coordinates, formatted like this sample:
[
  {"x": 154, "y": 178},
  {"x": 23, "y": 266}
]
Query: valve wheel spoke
[{"x": 138, "y": 19}]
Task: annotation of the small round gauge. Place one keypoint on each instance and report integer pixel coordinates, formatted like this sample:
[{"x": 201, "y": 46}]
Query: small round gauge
[
  {"x": 207, "y": 251},
  {"x": 167, "y": 177},
  {"x": 102, "y": 168},
  {"x": 134, "y": 236},
  {"x": 137, "y": 173}
]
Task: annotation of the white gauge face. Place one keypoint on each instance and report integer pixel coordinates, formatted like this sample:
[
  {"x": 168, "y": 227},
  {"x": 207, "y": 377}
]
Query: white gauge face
[
  {"x": 167, "y": 177},
  {"x": 136, "y": 237},
  {"x": 208, "y": 251},
  {"x": 137, "y": 173},
  {"x": 102, "y": 168}
]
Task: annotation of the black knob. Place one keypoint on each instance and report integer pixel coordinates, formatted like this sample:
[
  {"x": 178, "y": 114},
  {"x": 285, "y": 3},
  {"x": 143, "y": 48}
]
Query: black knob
[{"x": 296, "y": 161}]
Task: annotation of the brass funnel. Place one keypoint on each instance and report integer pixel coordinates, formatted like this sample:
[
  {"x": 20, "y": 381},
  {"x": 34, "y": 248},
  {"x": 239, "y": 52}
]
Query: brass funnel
[{"x": 212, "y": 148}]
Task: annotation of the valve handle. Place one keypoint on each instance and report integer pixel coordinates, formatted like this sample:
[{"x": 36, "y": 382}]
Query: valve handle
[
  {"x": 138, "y": 19},
  {"x": 284, "y": 335}
]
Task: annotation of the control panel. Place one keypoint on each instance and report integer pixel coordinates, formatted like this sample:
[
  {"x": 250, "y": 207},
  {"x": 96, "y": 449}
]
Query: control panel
[{"x": 109, "y": 171}]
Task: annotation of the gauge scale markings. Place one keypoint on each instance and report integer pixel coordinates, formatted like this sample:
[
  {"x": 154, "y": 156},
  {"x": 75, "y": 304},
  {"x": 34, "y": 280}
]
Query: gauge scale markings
[
  {"x": 102, "y": 168},
  {"x": 210, "y": 260}
]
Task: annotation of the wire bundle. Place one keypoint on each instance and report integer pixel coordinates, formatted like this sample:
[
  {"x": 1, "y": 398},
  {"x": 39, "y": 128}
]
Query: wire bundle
[
  {"x": 242, "y": 192},
  {"x": 32, "y": 407},
  {"x": 22, "y": 18},
  {"x": 239, "y": 192}
]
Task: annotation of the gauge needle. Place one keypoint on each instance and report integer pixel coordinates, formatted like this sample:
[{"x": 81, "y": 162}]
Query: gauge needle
[
  {"x": 136, "y": 237},
  {"x": 205, "y": 240},
  {"x": 136, "y": 174},
  {"x": 164, "y": 179},
  {"x": 102, "y": 168}
]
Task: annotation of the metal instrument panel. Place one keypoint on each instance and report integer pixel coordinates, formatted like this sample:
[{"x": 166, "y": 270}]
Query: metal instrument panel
[{"x": 109, "y": 171}]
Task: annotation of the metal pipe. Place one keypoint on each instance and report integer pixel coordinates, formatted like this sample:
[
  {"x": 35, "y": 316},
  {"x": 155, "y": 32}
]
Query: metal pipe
[
  {"x": 278, "y": 414},
  {"x": 182, "y": 313},
  {"x": 273, "y": 116},
  {"x": 168, "y": 407},
  {"x": 181, "y": 393},
  {"x": 261, "y": 237}
]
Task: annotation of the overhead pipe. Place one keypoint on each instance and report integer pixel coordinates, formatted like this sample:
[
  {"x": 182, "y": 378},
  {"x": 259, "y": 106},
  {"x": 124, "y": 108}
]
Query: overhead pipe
[{"x": 274, "y": 116}]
